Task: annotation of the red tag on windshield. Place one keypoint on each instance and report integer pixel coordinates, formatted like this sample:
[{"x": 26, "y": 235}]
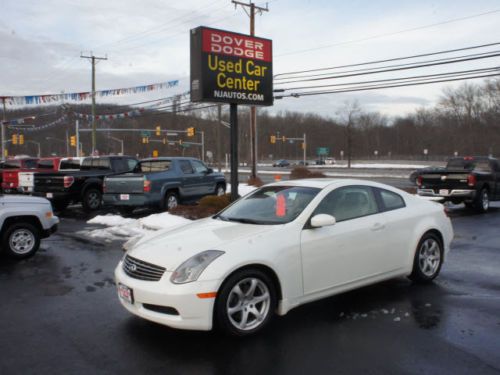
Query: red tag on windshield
[{"x": 280, "y": 206}]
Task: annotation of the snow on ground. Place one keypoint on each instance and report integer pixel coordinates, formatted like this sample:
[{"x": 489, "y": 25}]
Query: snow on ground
[{"x": 120, "y": 228}]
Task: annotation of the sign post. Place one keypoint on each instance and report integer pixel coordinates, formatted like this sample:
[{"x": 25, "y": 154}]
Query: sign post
[{"x": 231, "y": 68}]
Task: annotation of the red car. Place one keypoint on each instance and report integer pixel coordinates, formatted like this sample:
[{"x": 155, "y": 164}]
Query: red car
[{"x": 12, "y": 168}]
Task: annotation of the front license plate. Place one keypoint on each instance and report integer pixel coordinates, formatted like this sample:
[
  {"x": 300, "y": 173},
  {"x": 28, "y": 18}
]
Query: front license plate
[
  {"x": 50, "y": 195},
  {"x": 124, "y": 197},
  {"x": 126, "y": 293},
  {"x": 443, "y": 192}
]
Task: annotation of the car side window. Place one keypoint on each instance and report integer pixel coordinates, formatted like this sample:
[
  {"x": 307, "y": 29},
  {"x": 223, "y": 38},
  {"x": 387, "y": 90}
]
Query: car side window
[
  {"x": 198, "y": 166},
  {"x": 348, "y": 202},
  {"x": 186, "y": 167},
  {"x": 390, "y": 200},
  {"x": 131, "y": 164}
]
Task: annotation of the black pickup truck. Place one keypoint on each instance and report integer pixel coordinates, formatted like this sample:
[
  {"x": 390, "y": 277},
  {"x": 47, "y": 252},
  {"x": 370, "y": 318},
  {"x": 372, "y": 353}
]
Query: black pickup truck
[
  {"x": 84, "y": 185},
  {"x": 474, "y": 181}
]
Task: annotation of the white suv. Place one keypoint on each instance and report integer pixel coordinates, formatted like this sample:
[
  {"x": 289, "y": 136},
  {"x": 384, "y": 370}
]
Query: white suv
[{"x": 24, "y": 221}]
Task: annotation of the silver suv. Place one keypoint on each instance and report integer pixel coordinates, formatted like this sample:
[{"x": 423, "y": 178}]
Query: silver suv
[{"x": 24, "y": 221}]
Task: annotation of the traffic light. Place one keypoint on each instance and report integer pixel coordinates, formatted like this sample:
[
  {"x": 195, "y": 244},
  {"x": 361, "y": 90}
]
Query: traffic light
[
  {"x": 158, "y": 130},
  {"x": 155, "y": 153},
  {"x": 72, "y": 140},
  {"x": 303, "y": 146},
  {"x": 273, "y": 139},
  {"x": 145, "y": 140},
  {"x": 180, "y": 142},
  {"x": 165, "y": 141},
  {"x": 21, "y": 139},
  {"x": 14, "y": 139},
  {"x": 283, "y": 139},
  {"x": 191, "y": 131}
]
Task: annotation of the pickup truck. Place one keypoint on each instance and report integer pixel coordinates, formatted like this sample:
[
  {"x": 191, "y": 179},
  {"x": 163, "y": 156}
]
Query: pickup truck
[
  {"x": 21, "y": 180},
  {"x": 18, "y": 163},
  {"x": 162, "y": 182},
  {"x": 474, "y": 181},
  {"x": 26, "y": 182},
  {"x": 24, "y": 221},
  {"x": 81, "y": 186}
]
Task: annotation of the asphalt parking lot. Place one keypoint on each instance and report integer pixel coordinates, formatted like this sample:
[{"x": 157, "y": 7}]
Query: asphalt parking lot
[{"x": 60, "y": 314}]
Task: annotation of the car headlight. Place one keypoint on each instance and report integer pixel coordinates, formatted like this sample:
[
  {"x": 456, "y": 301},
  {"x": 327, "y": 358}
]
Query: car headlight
[{"x": 192, "y": 268}]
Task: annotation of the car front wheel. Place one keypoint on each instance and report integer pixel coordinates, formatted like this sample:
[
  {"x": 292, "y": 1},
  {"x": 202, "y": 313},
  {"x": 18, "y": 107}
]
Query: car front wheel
[
  {"x": 92, "y": 199},
  {"x": 21, "y": 240},
  {"x": 219, "y": 190},
  {"x": 245, "y": 303},
  {"x": 428, "y": 259}
]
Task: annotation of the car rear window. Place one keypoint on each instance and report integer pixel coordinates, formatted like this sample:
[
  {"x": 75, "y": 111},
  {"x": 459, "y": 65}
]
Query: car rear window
[
  {"x": 390, "y": 200},
  {"x": 69, "y": 164},
  {"x": 154, "y": 166},
  {"x": 45, "y": 164},
  {"x": 96, "y": 163}
]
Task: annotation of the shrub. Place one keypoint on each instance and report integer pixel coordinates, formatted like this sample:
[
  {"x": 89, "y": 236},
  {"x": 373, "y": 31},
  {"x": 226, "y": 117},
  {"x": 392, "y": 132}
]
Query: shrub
[
  {"x": 301, "y": 172},
  {"x": 207, "y": 206},
  {"x": 257, "y": 182}
]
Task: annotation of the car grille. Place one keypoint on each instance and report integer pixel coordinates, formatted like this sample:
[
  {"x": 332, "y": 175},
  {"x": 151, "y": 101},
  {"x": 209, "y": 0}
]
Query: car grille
[{"x": 141, "y": 270}]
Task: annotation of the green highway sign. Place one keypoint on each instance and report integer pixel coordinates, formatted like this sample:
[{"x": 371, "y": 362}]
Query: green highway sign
[
  {"x": 146, "y": 134},
  {"x": 322, "y": 151}
]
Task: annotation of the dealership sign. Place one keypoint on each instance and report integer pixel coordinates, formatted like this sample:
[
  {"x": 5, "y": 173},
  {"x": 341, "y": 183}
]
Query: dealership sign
[{"x": 230, "y": 68}]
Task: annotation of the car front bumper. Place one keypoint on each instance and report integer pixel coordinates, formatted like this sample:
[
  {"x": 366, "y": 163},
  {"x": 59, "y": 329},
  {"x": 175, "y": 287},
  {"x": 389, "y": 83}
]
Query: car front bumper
[{"x": 193, "y": 313}]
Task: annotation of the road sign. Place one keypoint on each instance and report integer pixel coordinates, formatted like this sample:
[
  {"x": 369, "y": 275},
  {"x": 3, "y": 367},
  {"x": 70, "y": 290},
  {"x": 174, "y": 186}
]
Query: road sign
[
  {"x": 322, "y": 151},
  {"x": 145, "y": 134}
]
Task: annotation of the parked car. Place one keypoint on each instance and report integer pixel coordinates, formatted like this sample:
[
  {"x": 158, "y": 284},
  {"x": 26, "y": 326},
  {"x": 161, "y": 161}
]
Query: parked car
[
  {"x": 81, "y": 186},
  {"x": 22, "y": 181},
  {"x": 24, "y": 221},
  {"x": 282, "y": 163},
  {"x": 284, "y": 245},
  {"x": 473, "y": 180},
  {"x": 302, "y": 163},
  {"x": 162, "y": 183}
]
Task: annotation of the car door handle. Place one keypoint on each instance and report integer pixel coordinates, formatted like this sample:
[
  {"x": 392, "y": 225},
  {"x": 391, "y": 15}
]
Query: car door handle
[{"x": 377, "y": 226}]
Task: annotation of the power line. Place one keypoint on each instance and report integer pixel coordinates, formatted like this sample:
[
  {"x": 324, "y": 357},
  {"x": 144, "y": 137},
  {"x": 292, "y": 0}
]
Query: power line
[
  {"x": 384, "y": 70},
  {"x": 389, "y": 34},
  {"x": 377, "y": 87},
  {"x": 387, "y": 60},
  {"x": 423, "y": 77}
]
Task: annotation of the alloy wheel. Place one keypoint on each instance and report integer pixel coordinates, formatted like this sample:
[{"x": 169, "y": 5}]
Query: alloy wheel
[
  {"x": 248, "y": 304},
  {"x": 22, "y": 241},
  {"x": 429, "y": 257},
  {"x": 172, "y": 202}
]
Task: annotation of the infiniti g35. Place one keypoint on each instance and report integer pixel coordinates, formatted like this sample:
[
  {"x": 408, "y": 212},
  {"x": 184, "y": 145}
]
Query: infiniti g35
[{"x": 279, "y": 247}]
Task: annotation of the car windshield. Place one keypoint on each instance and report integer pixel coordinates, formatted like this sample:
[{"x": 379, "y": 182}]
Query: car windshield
[{"x": 270, "y": 205}]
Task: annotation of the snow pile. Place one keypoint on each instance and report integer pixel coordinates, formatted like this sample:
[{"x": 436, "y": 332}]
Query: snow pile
[{"x": 119, "y": 228}]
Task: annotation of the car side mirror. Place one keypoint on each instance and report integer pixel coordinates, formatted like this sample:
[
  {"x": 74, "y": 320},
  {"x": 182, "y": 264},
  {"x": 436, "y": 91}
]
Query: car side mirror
[
  {"x": 210, "y": 170},
  {"x": 322, "y": 220}
]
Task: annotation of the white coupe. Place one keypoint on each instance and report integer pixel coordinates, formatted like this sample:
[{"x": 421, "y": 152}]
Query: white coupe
[{"x": 279, "y": 247}]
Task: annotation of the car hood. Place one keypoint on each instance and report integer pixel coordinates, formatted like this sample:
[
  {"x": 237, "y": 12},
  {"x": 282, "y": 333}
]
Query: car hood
[
  {"x": 171, "y": 248},
  {"x": 22, "y": 199}
]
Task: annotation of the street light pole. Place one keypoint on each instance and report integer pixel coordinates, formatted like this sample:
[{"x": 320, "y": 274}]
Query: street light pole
[{"x": 3, "y": 128}]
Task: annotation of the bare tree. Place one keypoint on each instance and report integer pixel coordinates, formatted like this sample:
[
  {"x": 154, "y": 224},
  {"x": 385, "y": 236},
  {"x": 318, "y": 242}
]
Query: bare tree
[{"x": 348, "y": 115}]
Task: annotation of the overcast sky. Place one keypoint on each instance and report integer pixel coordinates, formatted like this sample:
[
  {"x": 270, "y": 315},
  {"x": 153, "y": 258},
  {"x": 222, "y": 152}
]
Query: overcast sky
[{"x": 147, "y": 41}]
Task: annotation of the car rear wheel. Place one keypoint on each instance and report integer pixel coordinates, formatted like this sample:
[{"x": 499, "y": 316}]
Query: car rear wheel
[
  {"x": 482, "y": 201},
  {"x": 220, "y": 190},
  {"x": 245, "y": 303},
  {"x": 170, "y": 201},
  {"x": 21, "y": 240},
  {"x": 428, "y": 259},
  {"x": 92, "y": 199}
]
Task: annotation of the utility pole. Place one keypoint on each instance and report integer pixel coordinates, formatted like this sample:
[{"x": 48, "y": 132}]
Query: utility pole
[
  {"x": 217, "y": 130},
  {"x": 253, "y": 109},
  {"x": 94, "y": 60},
  {"x": 3, "y": 128}
]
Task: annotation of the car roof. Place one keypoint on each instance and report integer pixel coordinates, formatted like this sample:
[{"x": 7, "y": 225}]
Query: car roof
[
  {"x": 322, "y": 183},
  {"x": 166, "y": 158}
]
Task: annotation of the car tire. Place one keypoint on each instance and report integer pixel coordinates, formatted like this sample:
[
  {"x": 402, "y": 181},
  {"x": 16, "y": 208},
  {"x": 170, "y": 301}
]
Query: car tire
[
  {"x": 482, "y": 201},
  {"x": 171, "y": 200},
  {"x": 92, "y": 199},
  {"x": 21, "y": 240},
  {"x": 245, "y": 303},
  {"x": 220, "y": 190},
  {"x": 428, "y": 259},
  {"x": 59, "y": 206}
]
